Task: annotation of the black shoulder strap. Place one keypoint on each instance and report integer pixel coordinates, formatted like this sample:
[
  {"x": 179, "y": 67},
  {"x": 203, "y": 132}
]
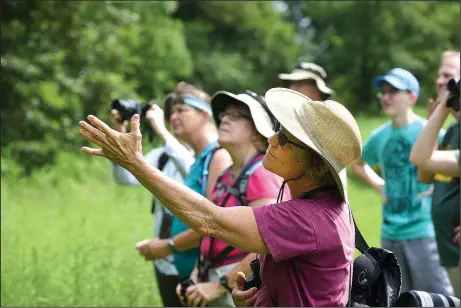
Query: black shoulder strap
[
  {"x": 360, "y": 242},
  {"x": 162, "y": 160}
]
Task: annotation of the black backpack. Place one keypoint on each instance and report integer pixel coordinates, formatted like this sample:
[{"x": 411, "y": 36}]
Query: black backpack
[{"x": 376, "y": 278}]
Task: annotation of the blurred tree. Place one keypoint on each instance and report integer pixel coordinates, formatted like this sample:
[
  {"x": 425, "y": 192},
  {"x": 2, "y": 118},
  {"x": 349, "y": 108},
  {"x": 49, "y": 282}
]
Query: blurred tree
[
  {"x": 369, "y": 38},
  {"x": 63, "y": 60},
  {"x": 238, "y": 45}
]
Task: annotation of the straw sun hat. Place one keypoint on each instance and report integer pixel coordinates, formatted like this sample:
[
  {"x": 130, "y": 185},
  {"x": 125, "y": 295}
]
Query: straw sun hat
[{"x": 326, "y": 127}]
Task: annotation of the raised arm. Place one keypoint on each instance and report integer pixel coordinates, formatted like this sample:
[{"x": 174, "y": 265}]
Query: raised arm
[
  {"x": 124, "y": 177},
  {"x": 181, "y": 156},
  {"x": 235, "y": 226},
  {"x": 424, "y": 154}
]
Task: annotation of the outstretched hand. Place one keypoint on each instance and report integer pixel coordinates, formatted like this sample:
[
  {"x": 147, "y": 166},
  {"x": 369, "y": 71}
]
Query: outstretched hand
[{"x": 121, "y": 148}]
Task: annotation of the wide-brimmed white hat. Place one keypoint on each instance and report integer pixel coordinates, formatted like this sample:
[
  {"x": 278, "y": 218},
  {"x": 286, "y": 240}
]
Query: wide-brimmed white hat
[
  {"x": 326, "y": 127},
  {"x": 261, "y": 118},
  {"x": 306, "y": 71}
]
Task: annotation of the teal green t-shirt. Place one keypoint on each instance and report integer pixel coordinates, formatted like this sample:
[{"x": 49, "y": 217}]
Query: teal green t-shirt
[
  {"x": 185, "y": 261},
  {"x": 405, "y": 215}
]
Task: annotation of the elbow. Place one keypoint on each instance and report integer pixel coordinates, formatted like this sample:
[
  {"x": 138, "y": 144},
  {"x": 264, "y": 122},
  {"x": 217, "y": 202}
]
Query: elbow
[
  {"x": 208, "y": 225},
  {"x": 414, "y": 159},
  {"x": 356, "y": 167},
  {"x": 425, "y": 177}
]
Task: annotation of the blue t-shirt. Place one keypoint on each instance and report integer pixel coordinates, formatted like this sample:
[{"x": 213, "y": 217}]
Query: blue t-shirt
[
  {"x": 405, "y": 216},
  {"x": 185, "y": 261}
]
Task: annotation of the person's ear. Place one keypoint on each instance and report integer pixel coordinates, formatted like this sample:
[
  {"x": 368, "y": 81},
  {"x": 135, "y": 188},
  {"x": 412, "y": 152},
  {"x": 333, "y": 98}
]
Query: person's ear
[{"x": 413, "y": 98}]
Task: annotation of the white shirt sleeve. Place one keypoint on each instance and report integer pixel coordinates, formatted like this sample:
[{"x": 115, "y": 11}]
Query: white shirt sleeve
[
  {"x": 124, "y": 177},
  {"x": 182, "y": 157}
]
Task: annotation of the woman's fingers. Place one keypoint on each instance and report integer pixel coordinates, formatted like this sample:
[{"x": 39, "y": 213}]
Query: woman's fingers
[
  {"x": 103, "y": 127},
  {"x": 193, "y": 298},
  {"x": 93, "y": 131},
  {"x": 95, "y": 152},
  {"x": 90, "y": 138},
  {"x": 240, "y": 281},
  {"x": 135, "y": 130},
  {"x": 178, "y": 293},
  {"x": 252, "y": 300}
]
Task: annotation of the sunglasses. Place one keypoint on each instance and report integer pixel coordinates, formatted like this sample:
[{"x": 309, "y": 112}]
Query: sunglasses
[
  {"x": 282, "y": 138},
  {"x": 233, "y": 116}
]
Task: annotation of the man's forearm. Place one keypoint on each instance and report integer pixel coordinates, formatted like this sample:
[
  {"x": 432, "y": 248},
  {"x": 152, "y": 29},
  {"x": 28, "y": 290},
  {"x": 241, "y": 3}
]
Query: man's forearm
[
  {"x": 186, "y": 240},
  {"x": 192, "y": 208},
  {"x": 426, "y": 142},
  {"x": 366, "y": 173}
]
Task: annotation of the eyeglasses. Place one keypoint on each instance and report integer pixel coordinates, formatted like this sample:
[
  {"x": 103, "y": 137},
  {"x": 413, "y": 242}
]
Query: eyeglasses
[
  {"x": 233, "y": 116},
  {"x": 390, "y": 93},
  {"x": 282, "y": 139}
]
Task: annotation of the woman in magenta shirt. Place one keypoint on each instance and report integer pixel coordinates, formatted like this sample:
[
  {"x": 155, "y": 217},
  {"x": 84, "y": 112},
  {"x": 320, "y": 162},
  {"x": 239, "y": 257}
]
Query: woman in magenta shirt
[{"x": 305, "y": 245}]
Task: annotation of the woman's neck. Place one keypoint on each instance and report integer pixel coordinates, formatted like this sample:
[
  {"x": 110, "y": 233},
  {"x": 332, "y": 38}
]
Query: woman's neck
[
  {"x": 241, "y": 155},
  {"x": 300, "y": 187},
  {"x": 202, "y": 138}
]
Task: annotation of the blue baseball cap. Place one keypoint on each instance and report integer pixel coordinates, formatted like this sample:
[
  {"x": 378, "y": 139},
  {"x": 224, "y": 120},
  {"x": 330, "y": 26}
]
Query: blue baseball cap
[{"x": 400, "y": 79}]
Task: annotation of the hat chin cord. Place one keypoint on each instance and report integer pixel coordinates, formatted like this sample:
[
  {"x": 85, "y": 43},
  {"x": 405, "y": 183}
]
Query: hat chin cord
[{"x": 282, "y": 188}]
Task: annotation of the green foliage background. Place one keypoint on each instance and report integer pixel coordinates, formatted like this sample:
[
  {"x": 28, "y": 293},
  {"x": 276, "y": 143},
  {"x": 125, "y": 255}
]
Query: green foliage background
[
  {"x": 68, "y": 231},
  {"x": 62, "y": 60}
]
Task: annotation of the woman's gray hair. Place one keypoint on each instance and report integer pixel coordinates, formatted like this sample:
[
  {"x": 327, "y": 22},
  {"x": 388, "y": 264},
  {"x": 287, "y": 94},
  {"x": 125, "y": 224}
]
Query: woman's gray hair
[{"x": 318, "y": 169}]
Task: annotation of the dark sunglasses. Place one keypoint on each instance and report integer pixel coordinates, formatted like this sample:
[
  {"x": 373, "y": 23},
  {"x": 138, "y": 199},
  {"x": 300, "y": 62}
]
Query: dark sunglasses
[{"x": 282, "y": 138}]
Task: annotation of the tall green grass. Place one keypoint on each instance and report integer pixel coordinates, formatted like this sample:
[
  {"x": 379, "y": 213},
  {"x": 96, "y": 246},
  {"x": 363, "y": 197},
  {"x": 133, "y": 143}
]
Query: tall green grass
[{"x": 68, "y": 234}]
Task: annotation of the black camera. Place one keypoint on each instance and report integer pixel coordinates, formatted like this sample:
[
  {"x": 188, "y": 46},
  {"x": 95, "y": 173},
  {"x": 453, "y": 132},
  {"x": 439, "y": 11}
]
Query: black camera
[
  {"x": 453, "y": 99},
  {"x": 255, "y": 279},
  {"x": 128, "y": 108}
]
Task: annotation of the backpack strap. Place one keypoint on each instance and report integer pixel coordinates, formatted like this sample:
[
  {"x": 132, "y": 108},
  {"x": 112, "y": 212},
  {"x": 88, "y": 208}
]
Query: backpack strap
[
  {"x": 206, "y": 166},
  {"x": 220, "y": 186},
  {"x": 238, "y": 189},
  {"x": 360, "y": 242},
  {"x": 243, "y": 185},
  {"x": 162, "y": 160}
]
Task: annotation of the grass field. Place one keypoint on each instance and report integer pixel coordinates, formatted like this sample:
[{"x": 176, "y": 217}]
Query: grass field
[{"x": 68, "y": 235}]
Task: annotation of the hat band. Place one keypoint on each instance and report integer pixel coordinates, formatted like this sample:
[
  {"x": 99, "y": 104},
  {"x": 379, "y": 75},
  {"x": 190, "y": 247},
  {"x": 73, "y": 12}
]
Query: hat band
[
  {"x": 198, "y": 103},
  {"x": 315, "y": 72}
]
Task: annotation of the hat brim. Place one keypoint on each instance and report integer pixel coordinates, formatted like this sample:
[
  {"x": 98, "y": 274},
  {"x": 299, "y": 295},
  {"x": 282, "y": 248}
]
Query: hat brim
[
  {"x": 286, "y": 106},
  {"x": 298, "y": 76},
  {"x": 393, "y": 81},
  {"x": 222, "y": 99}
]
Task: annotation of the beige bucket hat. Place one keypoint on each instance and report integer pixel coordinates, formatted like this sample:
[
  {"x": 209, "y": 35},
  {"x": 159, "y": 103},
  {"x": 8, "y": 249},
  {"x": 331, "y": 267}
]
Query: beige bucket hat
[
  {"x": 261, "y": 117},
  {"x": 326, "y": 127},
  {"x": 306, "y": 71}
]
